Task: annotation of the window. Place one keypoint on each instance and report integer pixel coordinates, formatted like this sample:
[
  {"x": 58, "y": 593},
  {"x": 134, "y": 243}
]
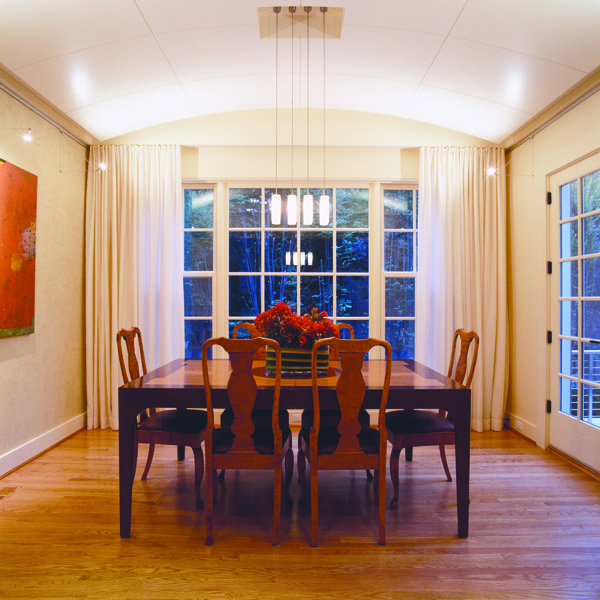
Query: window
[
  {"x": 400, "y": 267},
  {"x": 580, "y": 298},
  {"x": 308, "y": 266},
  {"x": 198, "y": 266}
]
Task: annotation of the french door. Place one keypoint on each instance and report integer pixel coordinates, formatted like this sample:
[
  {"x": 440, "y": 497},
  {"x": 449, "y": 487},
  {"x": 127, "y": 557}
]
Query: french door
[{"x": 575, "y": 311}]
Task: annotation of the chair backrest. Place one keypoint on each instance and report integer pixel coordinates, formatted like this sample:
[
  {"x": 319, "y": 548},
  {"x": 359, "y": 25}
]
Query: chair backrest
[
  {"x": 254, "y": 333},
  {"x": 457, "y": 370},
  {"x": 333, "y": 355},
  {"x": 132, "y": 371},
  {"x": 241, "y": 389},
  {"x": 351, "y": 388}
]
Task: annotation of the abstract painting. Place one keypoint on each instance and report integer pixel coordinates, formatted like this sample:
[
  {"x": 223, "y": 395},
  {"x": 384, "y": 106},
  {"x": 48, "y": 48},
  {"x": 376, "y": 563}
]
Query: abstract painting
[{"x": 18, "y": 200}]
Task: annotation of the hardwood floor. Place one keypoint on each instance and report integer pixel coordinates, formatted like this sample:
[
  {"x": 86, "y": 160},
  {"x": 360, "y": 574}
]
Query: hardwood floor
[{"x": 534, "y": 531}]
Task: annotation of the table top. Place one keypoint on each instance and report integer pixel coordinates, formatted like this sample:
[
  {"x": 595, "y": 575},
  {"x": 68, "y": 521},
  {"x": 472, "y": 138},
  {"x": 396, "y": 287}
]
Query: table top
[
  {"x": 184, "y": 373},
  {"x": 412, "y": 385}
]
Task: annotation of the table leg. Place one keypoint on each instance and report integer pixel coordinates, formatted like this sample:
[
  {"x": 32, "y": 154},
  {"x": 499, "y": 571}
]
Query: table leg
[
  {"x": 462, "y": 425},
  {"x": 127, "y": 426}
]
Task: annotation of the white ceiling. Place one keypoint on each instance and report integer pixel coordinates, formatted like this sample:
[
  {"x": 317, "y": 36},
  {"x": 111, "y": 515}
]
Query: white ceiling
[{"x": 483, "y": 67}]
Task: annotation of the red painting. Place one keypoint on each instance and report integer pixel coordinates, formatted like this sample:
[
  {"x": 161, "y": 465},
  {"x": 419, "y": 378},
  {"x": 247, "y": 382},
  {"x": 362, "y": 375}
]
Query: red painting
[{"x": 18, "y": 199}]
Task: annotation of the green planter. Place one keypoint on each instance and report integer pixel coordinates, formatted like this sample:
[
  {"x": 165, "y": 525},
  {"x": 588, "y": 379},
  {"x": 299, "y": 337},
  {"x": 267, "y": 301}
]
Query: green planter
[{"x": 297, "y": 360}]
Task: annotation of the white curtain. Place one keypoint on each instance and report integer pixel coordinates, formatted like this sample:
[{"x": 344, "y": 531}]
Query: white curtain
[
  {"x": 134, "y": 264},
  {"x": 462, "y": 269}
]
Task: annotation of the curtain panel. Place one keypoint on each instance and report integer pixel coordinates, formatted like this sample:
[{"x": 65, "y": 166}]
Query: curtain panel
[
  {"x": 462, "y": 269},
  {"x": 134, "y": 264}
]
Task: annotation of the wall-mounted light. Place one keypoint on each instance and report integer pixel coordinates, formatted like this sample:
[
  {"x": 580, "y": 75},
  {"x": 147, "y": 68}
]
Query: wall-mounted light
[{"x": 27, "y": 135}]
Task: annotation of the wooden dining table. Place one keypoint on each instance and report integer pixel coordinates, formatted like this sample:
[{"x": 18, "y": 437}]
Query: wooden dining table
[{"x": 179, "y": 384}]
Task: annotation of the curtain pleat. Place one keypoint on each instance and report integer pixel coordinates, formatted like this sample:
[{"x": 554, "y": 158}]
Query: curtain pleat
[
  {"x": 134, "y": 265},
  {"x": 462, "y": 269}
]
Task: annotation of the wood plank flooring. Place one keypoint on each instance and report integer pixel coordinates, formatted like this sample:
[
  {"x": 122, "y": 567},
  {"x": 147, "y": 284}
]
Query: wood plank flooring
[{"x": 534, "y": 531}]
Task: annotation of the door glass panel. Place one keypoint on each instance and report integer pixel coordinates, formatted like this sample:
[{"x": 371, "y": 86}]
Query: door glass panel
[
  {"x": 568, "y": 279},
  {"x": 568, "y": 200},
  {"x": 591, "y": 234},
  {"x": 591, "y": 277},
  {"x": 568, "y": 318},
  {"x": 568, "y": 239},
  {"x": 591, "y": 319},
  {"x": 591, "y": 192},
  {"x": 590, "y": 404},
  {"x": 591, "y": 362},
  {"x": 568, "y": 397},
  {"x": 568, "y": 358}
]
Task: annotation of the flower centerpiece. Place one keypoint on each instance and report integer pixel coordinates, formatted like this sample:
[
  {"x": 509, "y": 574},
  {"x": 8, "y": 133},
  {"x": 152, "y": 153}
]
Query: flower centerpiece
[{"x": 296, "y": 335}]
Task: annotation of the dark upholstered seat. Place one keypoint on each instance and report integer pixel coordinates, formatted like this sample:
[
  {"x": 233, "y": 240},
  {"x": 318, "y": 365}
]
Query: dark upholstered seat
[
  {"x": 414, "y": 428},
  {"x": 246, "y": 439},
  {"x": 171, "y": 427},
  {"x": 343, "y": 439}
]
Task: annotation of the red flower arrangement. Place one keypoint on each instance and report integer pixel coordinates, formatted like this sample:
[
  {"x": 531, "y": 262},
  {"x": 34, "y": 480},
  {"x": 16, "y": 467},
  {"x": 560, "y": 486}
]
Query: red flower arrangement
[{"x": 292, "y": 331}]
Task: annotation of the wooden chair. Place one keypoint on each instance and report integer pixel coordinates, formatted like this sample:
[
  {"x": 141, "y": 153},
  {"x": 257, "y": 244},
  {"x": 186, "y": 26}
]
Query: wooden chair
[
  {"x": 245, "y": 444},
  {"x": 412, "y": 428},
  {"x": 331, "y": 417},
  {"x": 350, "y": 445},
  {"x": 173, "y": 427},
  {"x": 254, "y": 333},
  {"x": 261, "y": 417}
]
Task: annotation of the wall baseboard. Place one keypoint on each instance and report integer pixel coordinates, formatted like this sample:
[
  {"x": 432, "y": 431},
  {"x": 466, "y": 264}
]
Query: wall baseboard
[
  {"x": 525, "y": 428},
  {"x": 19, "y": 456}
]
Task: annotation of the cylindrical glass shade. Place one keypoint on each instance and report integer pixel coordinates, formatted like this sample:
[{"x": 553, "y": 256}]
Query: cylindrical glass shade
[
  {"x": 292, "y": 209},
  {"x": 307, "y": 209},
  {"x": 276, "y": 209},
  {"x": 324, "y": 211}
]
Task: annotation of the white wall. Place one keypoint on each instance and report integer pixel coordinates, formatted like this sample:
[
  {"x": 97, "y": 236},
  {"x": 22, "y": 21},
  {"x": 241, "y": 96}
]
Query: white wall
[
  {"x": 42, "y": 396},
  {"x": 565, "y": 140}
]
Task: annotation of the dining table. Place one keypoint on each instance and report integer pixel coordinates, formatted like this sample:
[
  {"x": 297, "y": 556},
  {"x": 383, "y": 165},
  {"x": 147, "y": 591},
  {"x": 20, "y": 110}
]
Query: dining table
[{"x": 179, "y": 384}]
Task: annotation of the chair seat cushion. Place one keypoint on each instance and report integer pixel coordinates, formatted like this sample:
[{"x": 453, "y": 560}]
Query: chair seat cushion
[
  {"x": 402, "y": 422},
  {"x": 332, "y": 417},
  {"x": 261, "y": 417},
  {"x": 264, "y": 441},
  {"x": 179, "y": 421},
  {"x": 329, "y": 437}
]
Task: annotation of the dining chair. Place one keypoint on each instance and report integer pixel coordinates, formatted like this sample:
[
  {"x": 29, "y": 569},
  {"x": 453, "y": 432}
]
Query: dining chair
[
  {"x": 411, "y": 428},
  {"x": 331, "y": 417},
  {"x": 245, "y": 444},
  {"x": 260, "y": 417},
  {"x": 172, "y": 427},
  {"x": 351, "y": 444}
]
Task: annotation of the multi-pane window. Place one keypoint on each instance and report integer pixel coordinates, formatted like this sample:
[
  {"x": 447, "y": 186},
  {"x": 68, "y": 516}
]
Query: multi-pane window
[
  {"x": 198, "y": 265},
  {"x": 580, "y": 298},
  {"x": 305, "y": 265},
  {"x": 337, "y": 267},
  {"x": 400, "y": 267}
]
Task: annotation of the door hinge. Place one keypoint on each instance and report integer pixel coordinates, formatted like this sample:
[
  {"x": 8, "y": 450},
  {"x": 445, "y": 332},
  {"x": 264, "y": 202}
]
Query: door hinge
[
  {"x": 548, "y": 406},
  {"x": 549, "y": 198},
  {"x": 549, "y": 337},
  {"x": 549, "y": 267}
]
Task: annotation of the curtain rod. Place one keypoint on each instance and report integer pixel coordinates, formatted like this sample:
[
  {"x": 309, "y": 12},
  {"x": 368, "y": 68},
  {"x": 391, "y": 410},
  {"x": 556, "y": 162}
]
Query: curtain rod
[{"x": 44, "y": 116}]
